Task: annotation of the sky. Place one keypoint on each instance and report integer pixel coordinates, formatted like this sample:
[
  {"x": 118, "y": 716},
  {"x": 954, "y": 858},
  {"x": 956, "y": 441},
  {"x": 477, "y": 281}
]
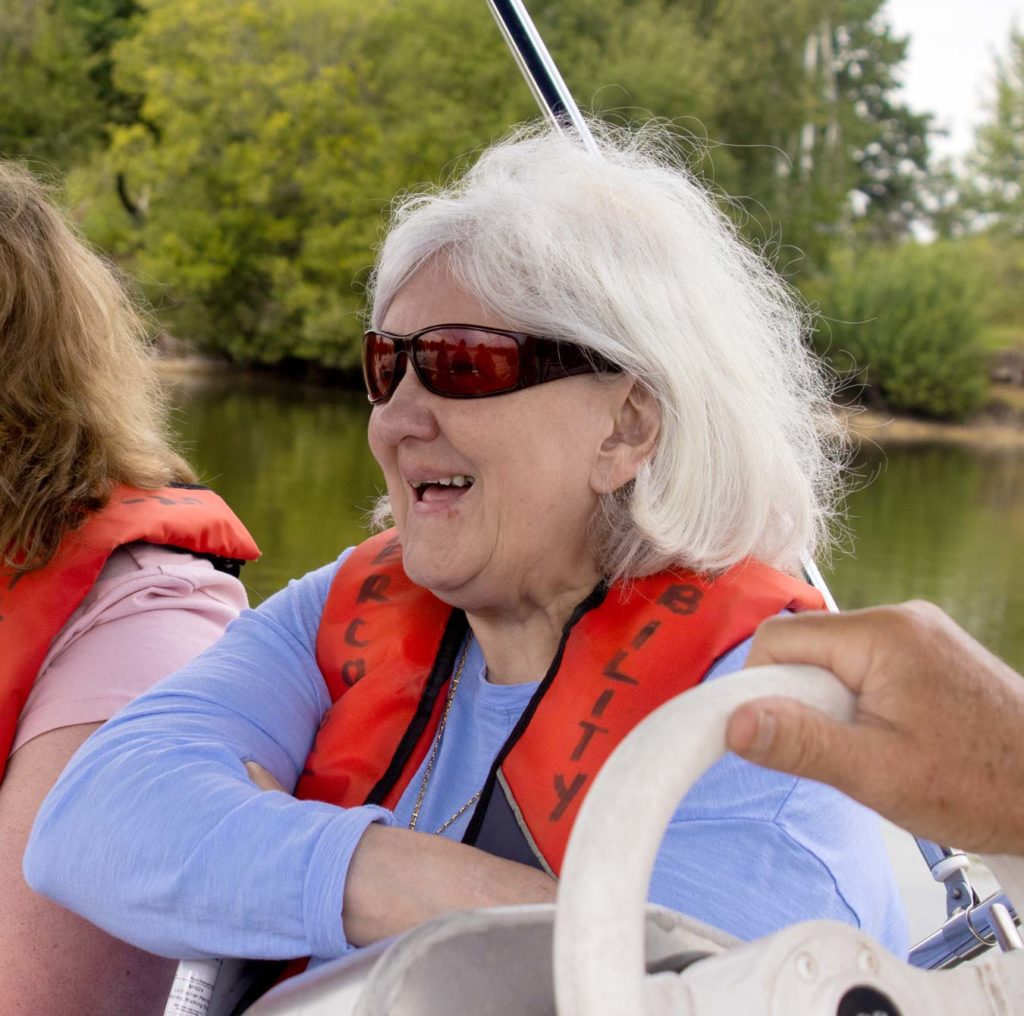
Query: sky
[{"x": 950, "y": 66}]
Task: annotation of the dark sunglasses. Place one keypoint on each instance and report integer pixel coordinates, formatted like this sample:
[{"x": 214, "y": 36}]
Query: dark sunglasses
[{"x": 467, "y": 362}]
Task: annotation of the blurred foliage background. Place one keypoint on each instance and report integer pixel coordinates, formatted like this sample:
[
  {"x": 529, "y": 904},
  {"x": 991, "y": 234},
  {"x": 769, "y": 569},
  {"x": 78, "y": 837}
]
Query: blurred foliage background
[{"x": 238, "y": 158}]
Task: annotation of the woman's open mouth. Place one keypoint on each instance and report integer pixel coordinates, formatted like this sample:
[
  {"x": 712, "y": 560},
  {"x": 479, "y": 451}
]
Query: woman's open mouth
[{"x": 443, "y": 490}]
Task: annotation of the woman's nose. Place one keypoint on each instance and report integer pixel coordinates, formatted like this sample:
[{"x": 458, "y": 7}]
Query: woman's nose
[{"x": 408, "y": 413}]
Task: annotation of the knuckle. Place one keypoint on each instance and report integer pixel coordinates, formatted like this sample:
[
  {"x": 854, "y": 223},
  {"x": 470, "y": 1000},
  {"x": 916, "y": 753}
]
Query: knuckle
[
  {"x": 766, "y": 630},
  {"x": 799, "y": 745},
  {"x": 903, "y": 621},
  {"x": 927, "y": 624},
  {"x": 921, "y": 612}
]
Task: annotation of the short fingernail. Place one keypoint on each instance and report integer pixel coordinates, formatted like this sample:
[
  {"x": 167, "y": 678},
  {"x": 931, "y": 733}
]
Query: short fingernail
[{"x": 765, "y": 733}]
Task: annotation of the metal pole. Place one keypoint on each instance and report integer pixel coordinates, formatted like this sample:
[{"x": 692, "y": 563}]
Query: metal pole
[
  {"x": 546, "y": 83},
  {"x": 816, "y": 579}
]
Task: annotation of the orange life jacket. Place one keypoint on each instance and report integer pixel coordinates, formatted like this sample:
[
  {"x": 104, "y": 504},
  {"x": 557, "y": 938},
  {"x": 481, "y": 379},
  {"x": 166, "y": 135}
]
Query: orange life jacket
[
  {"x": 387, "y": 647},
  {"x": 35, "y": 605}
]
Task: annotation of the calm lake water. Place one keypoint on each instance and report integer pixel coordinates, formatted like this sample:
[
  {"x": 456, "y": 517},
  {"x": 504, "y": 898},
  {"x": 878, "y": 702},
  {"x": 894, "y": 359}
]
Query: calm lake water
[
  {"x": 938, "y": 522},
  {"x": 942, "y": 523}
]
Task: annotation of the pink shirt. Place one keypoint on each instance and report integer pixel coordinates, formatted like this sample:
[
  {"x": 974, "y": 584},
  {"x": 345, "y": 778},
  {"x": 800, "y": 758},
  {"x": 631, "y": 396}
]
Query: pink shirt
[{"x": 149, "y": 613}]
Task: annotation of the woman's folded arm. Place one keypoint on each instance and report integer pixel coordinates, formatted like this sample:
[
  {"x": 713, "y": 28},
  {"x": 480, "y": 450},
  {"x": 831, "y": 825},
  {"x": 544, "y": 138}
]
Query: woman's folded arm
[{"x": 156, "y": 833}]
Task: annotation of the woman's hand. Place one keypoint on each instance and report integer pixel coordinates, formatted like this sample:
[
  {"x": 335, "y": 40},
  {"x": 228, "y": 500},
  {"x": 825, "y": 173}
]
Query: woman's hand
[
  {"x": 262, "y": 778},
  {"x": 398, "y": 879}
]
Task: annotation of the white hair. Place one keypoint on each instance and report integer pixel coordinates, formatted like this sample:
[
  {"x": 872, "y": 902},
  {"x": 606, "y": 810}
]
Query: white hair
[{"x": 625, "y": 253}]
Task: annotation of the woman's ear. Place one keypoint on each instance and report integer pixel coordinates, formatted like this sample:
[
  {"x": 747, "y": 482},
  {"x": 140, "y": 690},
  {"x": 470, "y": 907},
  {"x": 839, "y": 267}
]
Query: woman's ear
[{"x": 636, "y": 422}]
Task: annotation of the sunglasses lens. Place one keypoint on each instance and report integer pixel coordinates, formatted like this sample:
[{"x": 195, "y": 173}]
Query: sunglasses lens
[
  {"x": 378, "y": 365},
  {"x": 467, "y": 362}
]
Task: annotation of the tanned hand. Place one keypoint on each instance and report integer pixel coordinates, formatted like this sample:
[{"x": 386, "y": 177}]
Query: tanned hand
[{"x": 937, "y": 743}]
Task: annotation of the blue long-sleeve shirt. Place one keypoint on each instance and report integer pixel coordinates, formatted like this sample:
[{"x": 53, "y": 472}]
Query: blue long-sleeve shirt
[{"x": 155, "y": 833}]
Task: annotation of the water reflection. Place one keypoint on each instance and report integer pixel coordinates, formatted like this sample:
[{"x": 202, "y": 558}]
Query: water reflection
[
  {"x": 936, "y": 522},
  {"x": 291, "y": 460},
  {"x": 945, "y": 524}
]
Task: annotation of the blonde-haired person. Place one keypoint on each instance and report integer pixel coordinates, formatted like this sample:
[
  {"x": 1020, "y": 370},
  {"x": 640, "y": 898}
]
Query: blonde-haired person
[
  {"x": 606, "y": 448},
  {"x": 107, "y": 577}
]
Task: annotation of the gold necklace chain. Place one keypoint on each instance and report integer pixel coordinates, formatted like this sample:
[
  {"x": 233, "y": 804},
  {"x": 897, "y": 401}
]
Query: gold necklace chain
[{"x": 437, "y": 747}]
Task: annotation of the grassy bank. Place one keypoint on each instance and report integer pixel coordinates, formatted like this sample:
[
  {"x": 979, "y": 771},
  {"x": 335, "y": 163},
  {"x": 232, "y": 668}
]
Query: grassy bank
[{"x": 1000, "y": 424}]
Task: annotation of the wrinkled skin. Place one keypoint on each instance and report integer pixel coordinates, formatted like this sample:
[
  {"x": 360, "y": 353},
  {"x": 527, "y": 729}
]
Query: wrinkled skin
[
  {"x": 511, "y": 549},
  {"x": 937, "y": 743}
]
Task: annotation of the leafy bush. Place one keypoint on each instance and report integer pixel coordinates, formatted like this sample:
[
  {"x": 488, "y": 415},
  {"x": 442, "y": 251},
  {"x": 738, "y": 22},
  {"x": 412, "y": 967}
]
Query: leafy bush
[
  {"x": 904, "y": 320},
  {"x": 1000, "y": 262}
]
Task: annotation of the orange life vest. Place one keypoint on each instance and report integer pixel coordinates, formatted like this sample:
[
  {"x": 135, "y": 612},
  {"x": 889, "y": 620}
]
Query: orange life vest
[
  {"x": 35, "y": 605},
  {"x": 387, "y": 647}
]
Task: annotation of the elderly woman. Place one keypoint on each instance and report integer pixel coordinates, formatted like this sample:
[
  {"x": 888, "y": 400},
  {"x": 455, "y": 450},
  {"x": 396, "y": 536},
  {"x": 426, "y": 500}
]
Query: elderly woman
[{"x": 606, "y": 449}]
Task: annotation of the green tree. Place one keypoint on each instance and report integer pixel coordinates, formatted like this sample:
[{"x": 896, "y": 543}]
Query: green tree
[
  {"x": 633, "y": 59},
  {"x": 997, "y": 162},
  {"x": 57, "y": 95},
  {"x": 49, "y": 109},
  {"x": 941, "y": 196},
  {"x": 276, "y": 135},
  {"x": 101, "y": 25},
  {"x": 888, "y": 142},
  {"x": 272, "y": 135},
  {"x": 806, "y": 95},
  {"x": 247, "y": 102}
]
